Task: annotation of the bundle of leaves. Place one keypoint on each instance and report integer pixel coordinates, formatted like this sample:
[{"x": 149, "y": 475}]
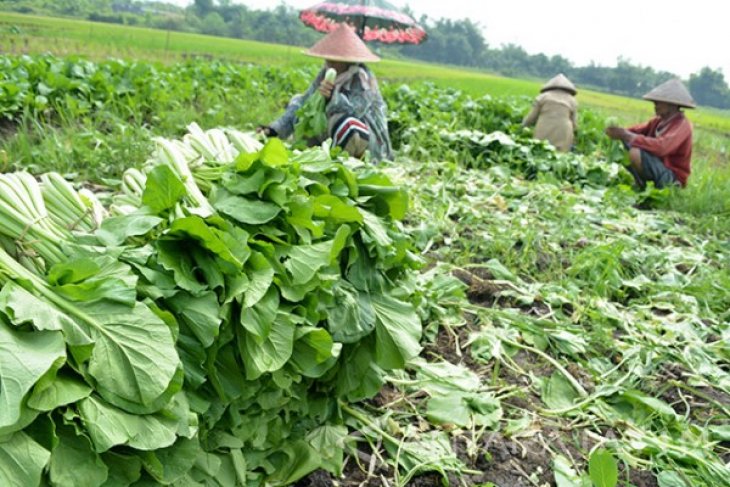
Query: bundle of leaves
[
  {"x": 213, "y": 328},
  {"x": 311, "y": 117}
]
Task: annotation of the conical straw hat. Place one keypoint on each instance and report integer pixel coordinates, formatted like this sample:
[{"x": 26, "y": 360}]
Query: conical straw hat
[
  {"x": 674, "y": 92},
  {"x": 342, "y": 44},
  {"x": 560, "y": 82}
]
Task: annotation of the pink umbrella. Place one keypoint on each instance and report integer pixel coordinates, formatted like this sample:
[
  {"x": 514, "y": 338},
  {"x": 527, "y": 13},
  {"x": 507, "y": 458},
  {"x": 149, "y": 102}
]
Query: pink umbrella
[{"x": 373, "y": 20}]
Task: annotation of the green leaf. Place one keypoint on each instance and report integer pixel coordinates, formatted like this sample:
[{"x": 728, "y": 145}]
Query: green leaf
[
  {"x": 257, "y": 320},
  {"x": 334, "y": 208},
  {"x": 73, "y": 272},
  {"x": 168, "y": 465},
  {"x": 73, "y": 462},
  {"x": 558, "y": 392},
  {"x": 387, "y": 199},
  {"x": 300, "y": 215},
  {"x": 431, "y": 451},
  {"x": 274, "y": 153},
  {"x": 245, "y": 160},
  {"x": 64, "y": 389},
  {"x": 115, "y": 230},
  {"x": 109, "y": 426},
  {"x": 87, "y": 281},
  {"x": 123, "y": 470},
  {"x": 314, "y": 352},
  {"x": 211, "y": 238},
  {"x": 515, "y": 426},
  {"x": 134, "y": 358},
  {"x": 397, "y": 331},
  {"x": 272, "y": 353},
  {"x": 295, "y": 460},
  {"x": 719, "y": 432},
  {"x": 652, "y": 403},
  {"x": 24, "y": 358},
  {"x": 359, "y": 376},
  {"x": 245, "y": 185},
  {"x": 163, "y": 189},
  {"x": 351, "y": 315},
  {"x": 566, "y": 476},
  {"x": 200, "y": 313},
  {"x": 23, "y": 307},
  {"x": 602, "y": 468},
  {"x": 245, "y": 210},
  {"x": 306, "y": 260},
  {"x": 329, "y": 441},
  {"x": 486, "y": 409},
  {"x": 22, "y": 461},
  {"x": 376, "y": 230},
  {"x": 451, "y": 409},
  {"x": 444, "y": 378},
  {"x": 669, "y": 478},
  {"x": 175, "y": 256},
  {"x": 261, "y": 275}
]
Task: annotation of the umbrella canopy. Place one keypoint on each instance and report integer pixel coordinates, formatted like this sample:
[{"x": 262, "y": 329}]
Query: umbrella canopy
[{"x": 373, "y": 20}]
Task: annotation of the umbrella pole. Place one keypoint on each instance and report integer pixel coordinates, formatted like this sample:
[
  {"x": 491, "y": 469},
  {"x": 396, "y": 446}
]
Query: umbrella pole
[{"x": 361, "y": 28}]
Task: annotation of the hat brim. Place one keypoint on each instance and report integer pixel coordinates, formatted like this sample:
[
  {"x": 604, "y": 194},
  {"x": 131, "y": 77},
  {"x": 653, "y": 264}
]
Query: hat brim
[
  {"x": 671, "y": 102},
  {"x": 344, "y": 59},
  {"x": 562, "y": 88}
]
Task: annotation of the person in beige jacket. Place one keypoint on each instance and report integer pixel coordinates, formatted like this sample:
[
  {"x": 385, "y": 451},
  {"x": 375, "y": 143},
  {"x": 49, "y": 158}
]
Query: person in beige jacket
[{"x": 554, "y": 113}]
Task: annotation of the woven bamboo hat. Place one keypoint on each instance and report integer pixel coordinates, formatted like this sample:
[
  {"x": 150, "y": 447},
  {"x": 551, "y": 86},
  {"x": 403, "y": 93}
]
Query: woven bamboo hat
[
  {"x": 674, "y": 92},
  {"x": 559, "y": 82},
  {"x": 342, "y": 44}
]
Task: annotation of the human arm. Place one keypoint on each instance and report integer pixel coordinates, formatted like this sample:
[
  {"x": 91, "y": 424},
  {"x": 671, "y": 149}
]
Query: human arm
[
  {"x": 283, "y": 126},
  {"x": 532, "y": 117},
  {"x": 621, "y": 134},
  {"x": 668, "y": 142}
]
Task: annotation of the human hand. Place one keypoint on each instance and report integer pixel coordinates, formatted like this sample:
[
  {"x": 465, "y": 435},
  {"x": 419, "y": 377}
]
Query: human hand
[
  {"x": 266, "y": 130},
  {"x": 615, "y": 132},
  {"x": 326, "y": 88}
]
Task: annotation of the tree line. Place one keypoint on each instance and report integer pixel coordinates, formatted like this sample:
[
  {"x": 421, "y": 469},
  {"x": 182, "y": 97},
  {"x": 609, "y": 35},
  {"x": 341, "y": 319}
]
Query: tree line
[{"x": 456, "y": 42}]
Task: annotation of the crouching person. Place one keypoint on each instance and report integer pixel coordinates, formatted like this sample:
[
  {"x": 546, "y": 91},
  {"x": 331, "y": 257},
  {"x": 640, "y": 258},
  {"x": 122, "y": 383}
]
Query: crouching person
[
  {"x": 660, "y": 150},
  {"x": 355, "y": 109}
]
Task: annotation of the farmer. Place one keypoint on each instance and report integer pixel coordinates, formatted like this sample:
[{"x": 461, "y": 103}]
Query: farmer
[
  {"x": 660, "y": 149},
  {"x": 554, "y": 113},
  {"x": 356, "y": 112}
]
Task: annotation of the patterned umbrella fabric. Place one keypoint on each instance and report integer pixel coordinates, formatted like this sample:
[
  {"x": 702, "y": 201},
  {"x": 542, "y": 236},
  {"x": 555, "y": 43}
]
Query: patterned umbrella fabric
[{"x": 373, "y": 20}]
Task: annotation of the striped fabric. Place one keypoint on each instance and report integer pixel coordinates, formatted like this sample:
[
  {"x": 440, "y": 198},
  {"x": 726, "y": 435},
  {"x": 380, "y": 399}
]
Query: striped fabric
[{"x": 346, "y": 127}]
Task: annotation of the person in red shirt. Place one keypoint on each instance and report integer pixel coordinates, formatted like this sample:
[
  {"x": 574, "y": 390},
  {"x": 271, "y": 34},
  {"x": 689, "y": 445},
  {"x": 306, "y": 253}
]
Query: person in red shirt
[{"x": 660, "y": 150}]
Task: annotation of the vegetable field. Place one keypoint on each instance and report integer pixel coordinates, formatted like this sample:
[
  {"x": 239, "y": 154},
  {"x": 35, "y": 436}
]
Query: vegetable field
[{"x": 185, "y": 303}]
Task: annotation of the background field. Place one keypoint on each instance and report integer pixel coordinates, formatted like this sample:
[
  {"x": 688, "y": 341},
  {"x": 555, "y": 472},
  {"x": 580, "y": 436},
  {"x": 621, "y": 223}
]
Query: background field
[{"x": 30, "y": 34}]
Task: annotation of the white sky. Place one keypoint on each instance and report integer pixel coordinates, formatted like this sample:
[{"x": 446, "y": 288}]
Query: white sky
[{"x": 680, "y": 37}]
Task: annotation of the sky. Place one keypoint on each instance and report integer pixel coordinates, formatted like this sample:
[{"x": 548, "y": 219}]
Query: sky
[{"x": 679, "y": 37}]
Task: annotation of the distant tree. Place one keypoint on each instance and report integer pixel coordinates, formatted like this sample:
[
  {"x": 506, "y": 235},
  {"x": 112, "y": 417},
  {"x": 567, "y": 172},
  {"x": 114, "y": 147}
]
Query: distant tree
[
  {"x": 708, "y": 87},
  {"x": 558, "y": 64},
  {"x": 203, "y": 7},
  {"x": 213, "y": 24}
]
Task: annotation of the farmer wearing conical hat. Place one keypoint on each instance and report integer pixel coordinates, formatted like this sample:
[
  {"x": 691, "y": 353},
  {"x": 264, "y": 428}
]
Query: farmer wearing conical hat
[
  {"x": 355, "y": 110},
  {"x": 554, "y": 113},
  {"x": 660, "y": 149}
]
